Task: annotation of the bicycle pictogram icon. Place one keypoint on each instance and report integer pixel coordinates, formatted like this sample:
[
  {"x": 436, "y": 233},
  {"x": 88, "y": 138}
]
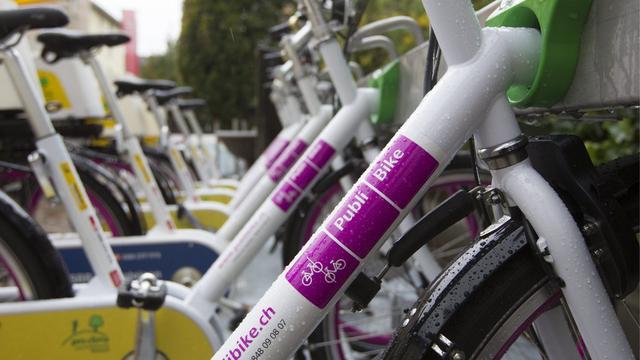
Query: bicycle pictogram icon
[{"x": 316, "y": 267}]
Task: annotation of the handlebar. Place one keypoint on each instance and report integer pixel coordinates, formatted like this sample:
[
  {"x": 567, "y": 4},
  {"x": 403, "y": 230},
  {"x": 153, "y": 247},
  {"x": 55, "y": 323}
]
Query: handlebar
[
  {"x": 389, "y": 24},
  {"x": 374, "y": 42},
  {"x": 301, "y": 37}
]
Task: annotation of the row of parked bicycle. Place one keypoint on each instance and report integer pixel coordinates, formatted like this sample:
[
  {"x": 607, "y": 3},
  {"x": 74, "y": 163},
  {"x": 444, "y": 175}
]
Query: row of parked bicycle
[{"x": 461, "y": 238}]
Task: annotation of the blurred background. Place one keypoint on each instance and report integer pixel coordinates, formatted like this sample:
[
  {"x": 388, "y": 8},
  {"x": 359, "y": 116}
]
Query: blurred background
[{"x": 215, "y": 47}]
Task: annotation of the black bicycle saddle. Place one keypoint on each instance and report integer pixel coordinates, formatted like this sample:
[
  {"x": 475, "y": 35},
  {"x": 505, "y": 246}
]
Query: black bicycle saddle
[
  {"x": 12, "y": 21},
  {"x": 60, "y": 44},
  {"x": 126, "y": 87},
  {"x": 164, "y": 96},
  {"x": 191, "y": 104}
]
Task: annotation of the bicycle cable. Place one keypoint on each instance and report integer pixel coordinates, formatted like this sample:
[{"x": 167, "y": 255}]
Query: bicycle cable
[{"x": 354, "y": 22}]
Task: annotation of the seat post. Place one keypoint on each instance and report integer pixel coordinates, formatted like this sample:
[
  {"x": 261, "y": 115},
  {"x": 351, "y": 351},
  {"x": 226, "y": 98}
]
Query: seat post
[
  {"x": 27, "y": 91},
  {"x": 160, "y": 118},
  {"x": 89, "y": 59}
]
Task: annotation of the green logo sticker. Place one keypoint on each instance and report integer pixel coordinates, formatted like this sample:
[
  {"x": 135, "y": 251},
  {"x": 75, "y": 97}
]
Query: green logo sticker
[{"x": 88, "y": 338}]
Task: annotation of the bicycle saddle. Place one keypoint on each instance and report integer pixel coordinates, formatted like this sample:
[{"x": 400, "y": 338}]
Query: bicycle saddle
[
  {"x": 40, "y": 17},
  {"x": 130, "y": 86},
  {"x": 190, "y": 104},
  {"x": 164, "y": 96},
  {"x": 59, "y": 44},
  {"x": 277, "y": 32}
]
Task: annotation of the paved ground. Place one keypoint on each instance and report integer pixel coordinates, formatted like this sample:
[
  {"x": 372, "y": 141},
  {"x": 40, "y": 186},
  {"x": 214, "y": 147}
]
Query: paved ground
[{"x": 259, "y": 275}]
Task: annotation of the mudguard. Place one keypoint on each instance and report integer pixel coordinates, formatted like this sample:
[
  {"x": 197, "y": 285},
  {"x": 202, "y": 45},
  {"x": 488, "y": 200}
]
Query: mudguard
[
  {"x": 451, "y": 289},
  {"x": 38, "y": 244},
  {"x": 89, "y": 168}
]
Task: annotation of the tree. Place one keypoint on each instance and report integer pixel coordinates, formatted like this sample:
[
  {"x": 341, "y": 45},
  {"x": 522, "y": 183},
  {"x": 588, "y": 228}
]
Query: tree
[
  {"x": 163, "y": 66},
  {"x": 217, "y": 52}
]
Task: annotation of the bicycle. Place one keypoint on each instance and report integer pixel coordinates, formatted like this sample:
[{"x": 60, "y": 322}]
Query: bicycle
[
  {"x": 468, "y": 50},
  {"x": 99, "y": 292},
  {"x": 98, "y": 254},
  {"x": 342, "y": 334},
  {"x": 108, "y": 274}
]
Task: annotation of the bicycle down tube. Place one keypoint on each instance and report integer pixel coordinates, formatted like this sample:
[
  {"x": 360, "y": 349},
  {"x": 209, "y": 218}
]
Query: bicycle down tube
[
  {"x": 320, "y": 116},
  {"x": 286, "y": 105},
  {"x": 358, "y": 104}
]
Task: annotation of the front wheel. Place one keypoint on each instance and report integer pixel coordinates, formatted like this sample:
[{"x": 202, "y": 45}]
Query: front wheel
[{"x": 502, "y": 320}]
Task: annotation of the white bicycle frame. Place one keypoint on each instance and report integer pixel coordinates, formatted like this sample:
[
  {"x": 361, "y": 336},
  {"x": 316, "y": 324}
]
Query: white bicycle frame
[
  {"x": 191, "y": 143},
  {"x": 319, "y": 117},
  {"x": 352, "y": 118},
  {"x": 461, "y": 105},
  {"x": 179, "y": 165},
  {"x": 292, "y": 120},
  {"x": 65, "y": 177},
  {"x": 196, "y": 151},
  {"x": 101, "y": 291},
  {"x": 208, "y": 156},
  {"x": 164, "y": 230},
  {"x": 133, "y": 152}
]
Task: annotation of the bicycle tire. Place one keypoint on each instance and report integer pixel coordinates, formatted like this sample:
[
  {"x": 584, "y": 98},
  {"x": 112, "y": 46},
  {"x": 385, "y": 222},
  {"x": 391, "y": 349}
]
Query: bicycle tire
[
  {"x": 117, "y": 192},
  {"x": 480, "y": 324},
  {"x": 166, "y": 179},
  {"x": 107, "y": 206},
  {"x": 502, "y": 295},
  {"x": 24, "y": 239}
]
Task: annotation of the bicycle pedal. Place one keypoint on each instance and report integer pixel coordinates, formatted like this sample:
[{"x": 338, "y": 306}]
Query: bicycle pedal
[{"x": 145, "y": 292}]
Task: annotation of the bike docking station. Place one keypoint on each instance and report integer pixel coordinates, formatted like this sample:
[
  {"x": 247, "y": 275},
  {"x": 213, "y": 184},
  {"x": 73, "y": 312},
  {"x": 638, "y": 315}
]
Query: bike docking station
[
  {"x": 170, "y": 250},
  {"x": 167, "y": 251},
  {"x": 537, "y": 266},
  {"x": 108, "y": 318}
]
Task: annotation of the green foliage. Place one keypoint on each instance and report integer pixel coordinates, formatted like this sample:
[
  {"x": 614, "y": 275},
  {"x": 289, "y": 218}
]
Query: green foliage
[
  {"x": 605, "y": 140},
  {"x": 217, "y": 51},
  {"x": 163, "y": 66}
]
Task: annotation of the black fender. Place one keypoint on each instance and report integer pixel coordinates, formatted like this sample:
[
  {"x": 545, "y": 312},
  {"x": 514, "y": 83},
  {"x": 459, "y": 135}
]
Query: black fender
[
  {"x": 38, "y": 244},
  {"x": 89, "y": 170},
  {"x": 453, "y": 287}
]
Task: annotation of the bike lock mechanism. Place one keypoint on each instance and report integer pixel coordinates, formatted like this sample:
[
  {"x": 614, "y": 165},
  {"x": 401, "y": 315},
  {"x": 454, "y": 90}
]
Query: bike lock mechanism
[
  {"x": 37, "y": 162},
  {"x": 450, "y": 211},
  {"x": 145, "y": 293}
]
